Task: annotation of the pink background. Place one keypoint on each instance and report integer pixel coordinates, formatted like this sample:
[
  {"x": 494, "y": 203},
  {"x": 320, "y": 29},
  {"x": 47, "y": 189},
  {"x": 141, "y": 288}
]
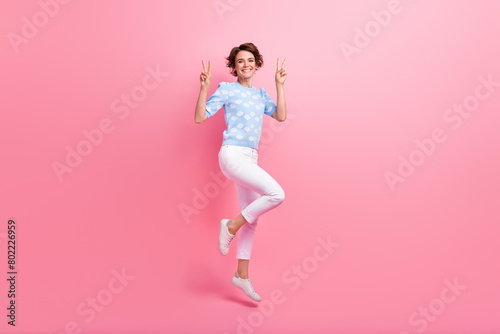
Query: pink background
[{"x": 349, "y": 122}]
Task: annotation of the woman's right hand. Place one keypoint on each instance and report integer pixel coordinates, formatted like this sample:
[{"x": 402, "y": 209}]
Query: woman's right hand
[{"x": 206, "y": 75}]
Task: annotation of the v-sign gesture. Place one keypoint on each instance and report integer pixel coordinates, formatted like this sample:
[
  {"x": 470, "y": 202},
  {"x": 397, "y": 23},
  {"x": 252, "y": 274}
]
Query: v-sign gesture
[
  {"x": 200, "y": 111},
  {"x": 206, "y": 75},
  {"x": 280, "y": 113},
  {"x": 280, "y": 72}
]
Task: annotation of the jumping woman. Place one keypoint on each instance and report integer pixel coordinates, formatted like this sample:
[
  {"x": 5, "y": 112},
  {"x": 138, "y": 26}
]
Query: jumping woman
[{"x": 244, "y": 109}]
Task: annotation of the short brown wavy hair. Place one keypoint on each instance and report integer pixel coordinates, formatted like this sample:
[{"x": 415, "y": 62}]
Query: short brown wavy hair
[{"x": 250, "y": 47}]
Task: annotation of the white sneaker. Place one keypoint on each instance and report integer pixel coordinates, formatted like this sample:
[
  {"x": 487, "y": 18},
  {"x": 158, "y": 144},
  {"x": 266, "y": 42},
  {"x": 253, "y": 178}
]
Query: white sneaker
[
  {"x": 246, "y": 286},
  {"x": 225, "y": 237}
]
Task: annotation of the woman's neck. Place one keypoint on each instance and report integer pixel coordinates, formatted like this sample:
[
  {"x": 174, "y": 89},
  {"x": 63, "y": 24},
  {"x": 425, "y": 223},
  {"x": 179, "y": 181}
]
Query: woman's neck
[{"x": 245, "y": 82}]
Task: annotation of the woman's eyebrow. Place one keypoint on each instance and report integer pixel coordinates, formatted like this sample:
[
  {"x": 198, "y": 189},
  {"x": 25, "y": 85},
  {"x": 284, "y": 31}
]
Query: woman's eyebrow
[{"x": 244, "y": 58}]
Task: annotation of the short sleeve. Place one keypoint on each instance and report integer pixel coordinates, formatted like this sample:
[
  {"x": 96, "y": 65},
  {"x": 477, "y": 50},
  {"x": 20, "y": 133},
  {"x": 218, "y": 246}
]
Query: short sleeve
[
  {"x": 270, "y": 106},
  {"x": 217, "y": 100}
]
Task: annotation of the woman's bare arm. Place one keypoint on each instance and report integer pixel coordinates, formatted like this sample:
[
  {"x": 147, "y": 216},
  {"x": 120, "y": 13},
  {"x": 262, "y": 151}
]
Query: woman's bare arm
[
  {"x": 200, "y": 114},
  {"x": 280, "y": 113}
]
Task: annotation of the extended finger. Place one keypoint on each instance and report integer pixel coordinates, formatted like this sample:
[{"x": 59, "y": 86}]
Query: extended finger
[
  {"x": 209, "y": 67},
  {"x": 283, "y": 65},
  {"x": 204, "y": 68},
  {"x": 278, "y": 64}
]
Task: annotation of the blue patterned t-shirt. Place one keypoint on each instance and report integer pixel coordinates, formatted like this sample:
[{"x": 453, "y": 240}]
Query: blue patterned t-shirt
[{"x": 244, "y": 110}]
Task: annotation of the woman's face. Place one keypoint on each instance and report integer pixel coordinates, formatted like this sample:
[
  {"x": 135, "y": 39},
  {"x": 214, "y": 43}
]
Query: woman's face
[{"x": 245, "y": 64}]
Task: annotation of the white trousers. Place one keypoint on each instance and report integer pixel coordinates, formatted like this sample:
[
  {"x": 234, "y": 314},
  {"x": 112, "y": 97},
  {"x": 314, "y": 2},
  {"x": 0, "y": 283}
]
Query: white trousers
[{"x": 257, "y": 191}]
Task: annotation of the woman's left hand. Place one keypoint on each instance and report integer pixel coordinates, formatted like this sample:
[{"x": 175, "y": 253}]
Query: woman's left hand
[{"x": 280, "y": 72}]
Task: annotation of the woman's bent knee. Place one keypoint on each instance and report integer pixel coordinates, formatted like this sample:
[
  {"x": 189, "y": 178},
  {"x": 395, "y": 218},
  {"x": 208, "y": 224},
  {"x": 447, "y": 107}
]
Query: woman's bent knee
[{"x": 278, "y": 195}]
